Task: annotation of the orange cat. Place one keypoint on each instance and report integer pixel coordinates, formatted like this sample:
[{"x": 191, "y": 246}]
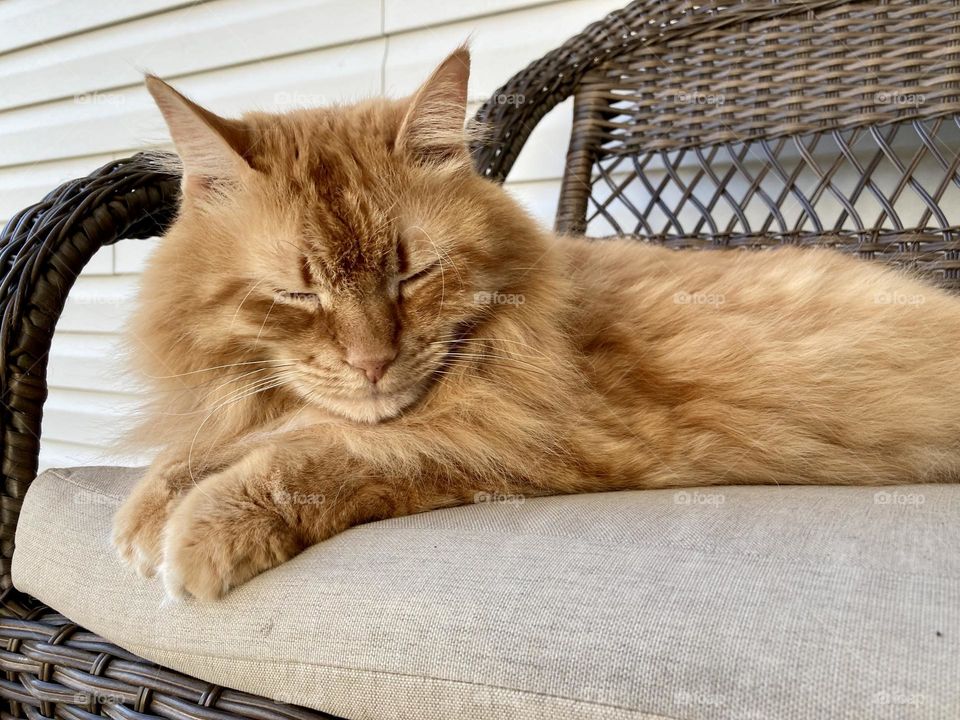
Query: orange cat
[{"x": 346, "y": 323}]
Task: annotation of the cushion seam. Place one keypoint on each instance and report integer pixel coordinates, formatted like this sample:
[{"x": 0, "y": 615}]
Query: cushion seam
[
  {"x": 452, "y": 681},
  {"x": 67, "y": 476}
]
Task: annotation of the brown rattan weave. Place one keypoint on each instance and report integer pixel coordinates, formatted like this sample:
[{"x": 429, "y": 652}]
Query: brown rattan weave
[
  {"x": 830, "y": 124},
  {"x": 836, "y": 126}
]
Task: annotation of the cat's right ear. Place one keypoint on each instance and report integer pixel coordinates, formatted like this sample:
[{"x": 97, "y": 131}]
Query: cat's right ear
[
  {"x": 213, "y": 149},
  {"x": 432, "y": 128}
]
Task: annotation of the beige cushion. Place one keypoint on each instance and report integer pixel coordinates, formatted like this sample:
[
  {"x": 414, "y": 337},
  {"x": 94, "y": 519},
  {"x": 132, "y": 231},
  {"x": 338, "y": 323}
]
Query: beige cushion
[{"x": 745, "y": 602}]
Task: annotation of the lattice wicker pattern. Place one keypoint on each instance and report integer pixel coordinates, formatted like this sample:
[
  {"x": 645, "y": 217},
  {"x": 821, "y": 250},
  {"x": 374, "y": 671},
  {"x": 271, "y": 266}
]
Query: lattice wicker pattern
[
  {"x": 889, "y": 193},
  {"x": 831, "y": 124}
]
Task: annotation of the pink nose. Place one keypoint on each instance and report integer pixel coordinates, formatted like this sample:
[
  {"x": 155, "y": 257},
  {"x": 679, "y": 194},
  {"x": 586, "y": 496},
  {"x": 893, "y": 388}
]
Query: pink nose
[{"x": 374, "y": 366}]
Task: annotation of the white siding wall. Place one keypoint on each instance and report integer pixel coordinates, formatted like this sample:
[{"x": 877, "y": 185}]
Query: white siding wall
[{"x": 71, "y": 99}]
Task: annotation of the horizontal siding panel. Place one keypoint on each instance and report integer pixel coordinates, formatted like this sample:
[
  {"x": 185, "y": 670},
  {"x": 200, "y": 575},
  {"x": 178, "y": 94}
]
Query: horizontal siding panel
[
  {"x": 25, "y": 185},
  {"x": 99, "y": 304},
  {"x": 544, "y": 155},
  {"x": 131, "y": 257},
  {"x": 179, "y": 43},
  {"x": 101, "y": 263},
  {"x": 401, "y": 15},
  {"x": 59, "y": 454},
  {"x": 87, "y": 418},
  {"x": 501, "y": 45},
  {"x": 89, "y": 362},
  {"x": 26, "y": 22},
  {"x": 126, "y": 120}
]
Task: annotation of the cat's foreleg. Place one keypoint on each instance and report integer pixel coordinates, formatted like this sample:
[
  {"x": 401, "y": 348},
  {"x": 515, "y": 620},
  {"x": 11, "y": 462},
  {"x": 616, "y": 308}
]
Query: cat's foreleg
[{"x": 275, "y": 502}]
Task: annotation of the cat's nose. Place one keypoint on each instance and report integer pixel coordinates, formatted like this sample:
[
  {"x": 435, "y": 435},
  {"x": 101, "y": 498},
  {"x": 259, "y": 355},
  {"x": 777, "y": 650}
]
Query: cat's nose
[{"x": 374, "y": 365}]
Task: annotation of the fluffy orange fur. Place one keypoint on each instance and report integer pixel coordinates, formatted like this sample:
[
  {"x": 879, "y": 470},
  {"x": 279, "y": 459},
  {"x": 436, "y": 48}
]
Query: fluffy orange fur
[{"x": 346, "y": 323}]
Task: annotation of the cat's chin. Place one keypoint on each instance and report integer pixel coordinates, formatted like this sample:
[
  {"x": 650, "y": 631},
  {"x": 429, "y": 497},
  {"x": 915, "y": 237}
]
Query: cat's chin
[{"x": 368, "y": 409}]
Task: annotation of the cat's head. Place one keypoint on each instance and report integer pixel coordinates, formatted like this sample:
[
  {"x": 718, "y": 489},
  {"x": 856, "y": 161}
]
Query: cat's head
[{"x": 352, "y": 247}]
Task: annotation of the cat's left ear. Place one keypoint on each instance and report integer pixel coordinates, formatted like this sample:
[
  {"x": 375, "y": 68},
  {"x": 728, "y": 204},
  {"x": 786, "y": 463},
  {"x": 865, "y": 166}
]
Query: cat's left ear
[
  {"x": 212, "y": 149},
  {"x": 432, "y": 129}
]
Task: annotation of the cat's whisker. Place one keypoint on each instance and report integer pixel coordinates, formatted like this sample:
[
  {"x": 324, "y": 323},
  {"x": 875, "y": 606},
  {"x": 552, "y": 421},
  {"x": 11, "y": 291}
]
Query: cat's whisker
[
  {"x": 219, "y": 367},
  {"x": 284, "y": 376},
  {"x": 441, "y": 256},
  {"x": 463, "y": 360},
  {"x": 506, "y": 340},
  {"x": 450, "y": 261},
  {"x": 307, "y": 402},
  {"x": 237, "y": 311},
  {"x": 460, "y": 372},
  {"x": 265, "y": 318},
  {"x": 250, "y": 392},
  {"x": 193, "y": 442},
  {"x": 486, "y": 344},
  {"x": 237, "y": 379},
  {"x": 485, "y": 354},
  {"x": 230, "y": 396},
  {"x": 473, "y": 357},
  {"x": 240, "y": 393}
]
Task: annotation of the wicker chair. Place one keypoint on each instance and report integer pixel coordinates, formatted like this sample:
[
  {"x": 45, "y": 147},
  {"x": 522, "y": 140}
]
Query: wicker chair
[{"x": 734, "y": 124}]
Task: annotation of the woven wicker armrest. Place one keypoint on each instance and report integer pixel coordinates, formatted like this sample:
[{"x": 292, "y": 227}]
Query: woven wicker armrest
[
  {"x": 513, "y": 111},
  {"x": 42, "y": 250},
  {"x": 52, "y": 667}
]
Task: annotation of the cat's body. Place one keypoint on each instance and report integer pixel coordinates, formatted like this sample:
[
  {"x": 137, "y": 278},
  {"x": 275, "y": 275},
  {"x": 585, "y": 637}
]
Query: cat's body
[{"x": 346, "y": 324}]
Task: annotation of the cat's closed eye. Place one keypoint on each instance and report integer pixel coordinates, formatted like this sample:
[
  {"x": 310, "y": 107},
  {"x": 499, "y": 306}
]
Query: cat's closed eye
[{"x": 412, "y": 278}]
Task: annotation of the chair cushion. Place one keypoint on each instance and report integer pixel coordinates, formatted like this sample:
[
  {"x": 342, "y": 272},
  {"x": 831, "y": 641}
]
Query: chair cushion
[{"x": 734, "y": 602}]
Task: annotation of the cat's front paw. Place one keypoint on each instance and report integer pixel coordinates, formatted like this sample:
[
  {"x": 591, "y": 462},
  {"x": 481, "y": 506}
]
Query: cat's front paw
[
  {"x": 220, "y": 537},
  {"x": 138, "y": 526}
]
